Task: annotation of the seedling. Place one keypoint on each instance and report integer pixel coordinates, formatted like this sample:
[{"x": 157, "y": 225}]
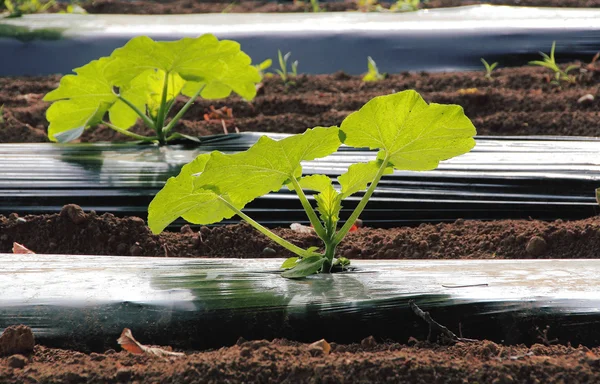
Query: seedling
[
  {"x": 316, "y": 7},
  {"x": 373, "y": 72},
  {"x": 489, "y": 68},
  {"x": 283, "y": 65},
  {"x": 406, "y": 6},
  {"x": 559, "y": 74},
  {"x": 17, "y": 8},
  {"x": 263, "y": 66},
  {"x": 408, "y": 133},
  {"x": 2, "y": 114},
  {"x": 142, "y": 80}
]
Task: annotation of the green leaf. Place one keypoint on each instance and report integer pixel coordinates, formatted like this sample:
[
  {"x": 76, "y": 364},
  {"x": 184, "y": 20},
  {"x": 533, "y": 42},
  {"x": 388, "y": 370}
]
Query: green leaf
[
  {"x": 265, "y": 65},
  {"x": 196, "y": 193},
  {"x": 220, "y": 66},
  {"x": 306, "y": 267},
  {"x": 359, "y": 176},
  {"x": 290, "y": 263},
  {"x": 598, "y": 195},
  {"x": 411, "y": 134},
  {"x": 81, "y": 100},
  {"x": 267, "y": 165},
  {"x": 179, "y": 198},
  {"x": 328, "y": 200}
]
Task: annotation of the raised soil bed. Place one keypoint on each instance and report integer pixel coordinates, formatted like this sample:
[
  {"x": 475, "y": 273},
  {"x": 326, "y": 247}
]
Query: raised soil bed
[
  {"x": 518, "y": 101},
  {"x": 218, "y": 6}
]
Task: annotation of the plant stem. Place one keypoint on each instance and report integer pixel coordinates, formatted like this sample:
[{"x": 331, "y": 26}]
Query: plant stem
[
  {"x": 312, "y": 216},
  {"x": 284, "y": 243},
  {"x": 339, "y": 236},
  {"x": 162, "y": 111},
  {"x": 329, "y": 253},
  {"x": 182, "y": 111},
  {"x": 130, "y": 134},
  {"x": 148, "y": 121}
]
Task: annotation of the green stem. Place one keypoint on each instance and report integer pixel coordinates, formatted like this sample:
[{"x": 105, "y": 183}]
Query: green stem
[
  {"x": 329, "y": 253},
  {"x": 162, "y": 111},
  {"x": 339, "y": 236},
  {"x": 130, "y": 134},
  {"x": 284, "y": 243},
  {"x": 312, "y": 216},
  {"x": 148, "y": 121},
  {"x": 182, "y": 111}
]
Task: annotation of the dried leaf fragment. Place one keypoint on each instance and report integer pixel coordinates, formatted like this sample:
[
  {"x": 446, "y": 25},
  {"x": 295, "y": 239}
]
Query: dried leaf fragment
[
  {"x": 321, "y": 345},
  {"x": 19, "y": 248},
  {"x": 130, "y": 344}
]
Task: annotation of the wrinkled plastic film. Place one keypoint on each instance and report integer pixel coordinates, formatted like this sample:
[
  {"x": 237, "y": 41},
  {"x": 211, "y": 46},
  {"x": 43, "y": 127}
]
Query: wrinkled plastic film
[
  {"x": 448, "y": 39},
  {"x": 543, "y": 178},
  {"x": 84, "y": 302}
]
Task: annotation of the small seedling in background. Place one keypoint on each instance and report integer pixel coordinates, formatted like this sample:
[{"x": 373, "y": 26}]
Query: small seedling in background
[
  {"x": 550, "y": 63},
  {"x": 489, "y": 68},
  {"x": 315, "y": 5},
  {"x": 368, "y": 5},
  {"x": 262, "y": 67},
  {"x": 373, "y": 73},
  {"x": 598, "y": 195},
  {"x": 142, "y": 80},
  {"x": 406, "y": 6},
  {"x": 2, "y": 114},
  {"x": 283, "y": 65},
  {"x": 17, "y": 8},
  {"x": 408, "y": 133}
]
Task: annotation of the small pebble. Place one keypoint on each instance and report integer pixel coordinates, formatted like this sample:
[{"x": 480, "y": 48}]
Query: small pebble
[{"x": 269, "y": 252}]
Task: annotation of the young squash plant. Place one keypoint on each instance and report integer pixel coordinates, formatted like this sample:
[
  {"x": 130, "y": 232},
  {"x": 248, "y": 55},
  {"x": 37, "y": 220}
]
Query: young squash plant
[
  {"x": 408, "y": 134},
  {"x": 142, "y": 80}
]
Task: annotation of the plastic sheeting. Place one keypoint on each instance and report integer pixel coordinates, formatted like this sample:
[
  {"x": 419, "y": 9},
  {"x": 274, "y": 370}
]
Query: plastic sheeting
[
  {"x": 519, "y": 177},
  {"x": 84, "y": 302},
  {"x": 429, "y": 40}
]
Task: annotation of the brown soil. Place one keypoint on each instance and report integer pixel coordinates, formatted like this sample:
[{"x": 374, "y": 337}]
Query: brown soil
[
  {"x": 75, "y": 232},
  {"x": 228, "y": 6},
  {"x": 518, "y": 101},
  {"x": 282, "y": 361}
]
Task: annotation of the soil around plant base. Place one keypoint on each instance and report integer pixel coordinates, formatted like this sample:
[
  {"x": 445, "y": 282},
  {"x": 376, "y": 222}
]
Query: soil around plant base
[
  {"x": 283, "y": 361},
  {"x": 74, "y": 231},
  {"x": 265, "y": 6}
]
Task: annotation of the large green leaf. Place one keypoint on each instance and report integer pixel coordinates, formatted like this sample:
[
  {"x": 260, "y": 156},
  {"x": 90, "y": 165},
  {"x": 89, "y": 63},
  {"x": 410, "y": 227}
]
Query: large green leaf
[
  {"x": 178, "y": 198},
  {"x": 410, "y": 133},
  {"x": 267, "y": 165},
  {"x": 219, "y": 66},
  {"x": 82, "y": 100},
  {"x": 359, "y": 176},
  {"x": 197, "y": 193}
]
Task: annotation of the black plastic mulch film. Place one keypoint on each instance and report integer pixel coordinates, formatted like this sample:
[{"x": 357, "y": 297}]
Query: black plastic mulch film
[
  {"x": 428, "y": 40},
  {"x": 504, "y": 177},
  {"x": 84, "y": 302}
]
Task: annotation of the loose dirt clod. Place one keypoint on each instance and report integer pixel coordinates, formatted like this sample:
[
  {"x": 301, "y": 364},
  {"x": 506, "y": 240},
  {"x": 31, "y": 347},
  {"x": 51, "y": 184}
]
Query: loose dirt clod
[
  {"x": 16, "y": 339},
  {"x": 75, "y": 213},
  {"x": 536, "y": 246},
  {"x": 17, "y": 361}
]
